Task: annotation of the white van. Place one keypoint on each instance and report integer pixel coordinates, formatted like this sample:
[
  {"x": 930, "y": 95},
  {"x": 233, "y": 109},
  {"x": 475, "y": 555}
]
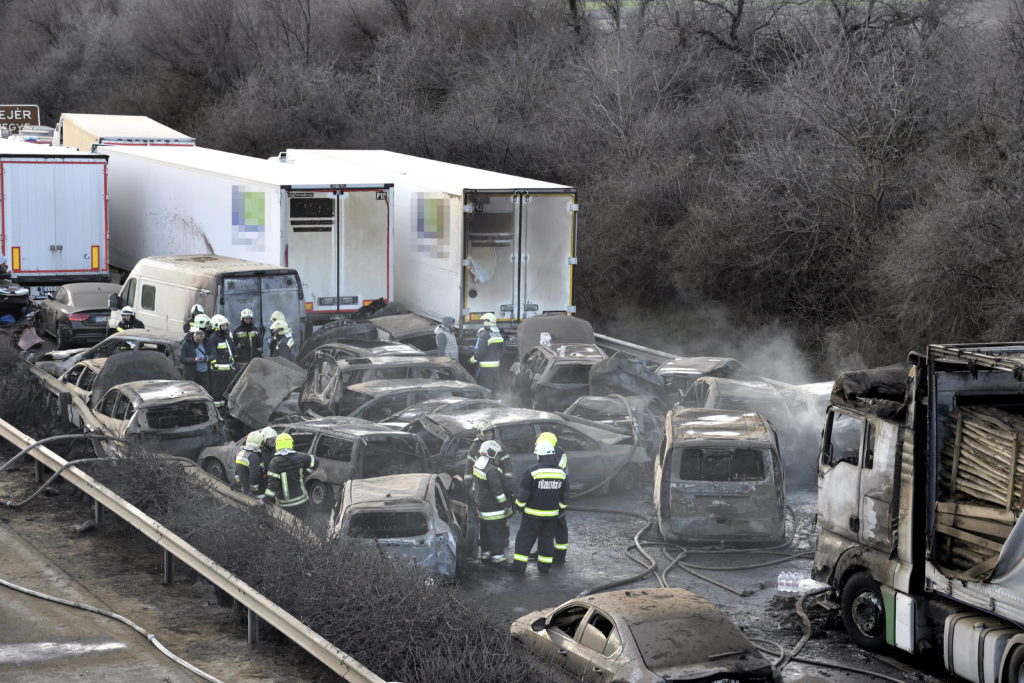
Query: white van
[{"x": 163, "y": 289}]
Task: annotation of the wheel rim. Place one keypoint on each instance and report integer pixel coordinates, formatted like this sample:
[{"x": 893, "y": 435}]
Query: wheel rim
[
  {"x": 317, "y": 494},
  {"x": 215, "y": 469},
  {"x": 866, "y": 611}
]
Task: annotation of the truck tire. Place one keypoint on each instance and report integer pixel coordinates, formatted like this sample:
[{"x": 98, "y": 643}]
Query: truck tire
[
  {"x": 1015, "y": 666},
  {"x": 864, "y": 612}
]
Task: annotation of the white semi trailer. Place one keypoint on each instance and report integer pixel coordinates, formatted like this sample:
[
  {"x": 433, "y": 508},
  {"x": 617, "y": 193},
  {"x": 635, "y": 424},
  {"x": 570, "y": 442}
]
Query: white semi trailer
[
  {"x": 333, "y": 228},
  {"x": 468, "y": 241},
  {"x": 85, "y": 131},
  {"x": 53, "y": 215}
]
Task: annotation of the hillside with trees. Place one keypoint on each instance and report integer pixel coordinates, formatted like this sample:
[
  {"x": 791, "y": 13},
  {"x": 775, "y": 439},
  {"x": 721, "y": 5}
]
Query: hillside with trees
[{"x": 843, "y": 172}]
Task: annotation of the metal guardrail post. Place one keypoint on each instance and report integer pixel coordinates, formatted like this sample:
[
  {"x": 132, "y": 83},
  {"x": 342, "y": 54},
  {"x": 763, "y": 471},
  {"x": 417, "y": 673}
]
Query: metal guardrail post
[
  {"x": 252, "y": 627},
  {"x": 97, "y": 512},
  {"x": 39, "y": 472},
  {"x": 168, "y": 568},
  {"x": 258, "y": 604}
]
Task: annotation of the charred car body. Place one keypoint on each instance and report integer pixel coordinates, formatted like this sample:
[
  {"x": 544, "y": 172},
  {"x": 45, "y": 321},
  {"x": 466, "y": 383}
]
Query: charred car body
[
  {"x": 637, "y": 416},
  {"x": 556, "y": 353},
  {"x": 382, "y": 398},
  {"x": 57, "y": 363},
  {"x": 346, "y": 448},
  {"x": 719, "y": 477},
  {"x": 324, "y": 391},
  {"x": 679, "y": 373},
  {"x": 651, "y": 635},
  {"x": 449, "y": 405},
  {"x": 423, "y": 517},
  {"x": 598, "y": 458}
]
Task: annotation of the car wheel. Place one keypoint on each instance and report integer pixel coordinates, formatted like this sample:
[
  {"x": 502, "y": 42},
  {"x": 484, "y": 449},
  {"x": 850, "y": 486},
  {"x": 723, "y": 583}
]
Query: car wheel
[
  {"x": 215, "y": 468},
  {"x": 321, "y": 496},
  {"x": 864, "y": 612},
  {"x": 627, "y": 480}
]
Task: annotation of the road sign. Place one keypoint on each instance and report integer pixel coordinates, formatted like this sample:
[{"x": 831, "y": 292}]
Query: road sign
[{"x": 14, "y": 116}]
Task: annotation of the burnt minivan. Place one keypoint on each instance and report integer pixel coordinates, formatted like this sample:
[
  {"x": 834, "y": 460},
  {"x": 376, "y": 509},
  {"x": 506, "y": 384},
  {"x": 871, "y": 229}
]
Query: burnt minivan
[{"x": 719, "y": 479}]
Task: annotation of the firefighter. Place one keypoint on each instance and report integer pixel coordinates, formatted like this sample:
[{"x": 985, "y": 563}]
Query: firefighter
[
  {"x": 222, "y": 363},
  {"x": 129, "y": 321},
  {"x": 487, "y": 352},
  {"x": 286, "y": 478},
  {"x": 493, "y": 503},
  {"x": 282, "y": 344},
  {"x": 543, "y": 496},
  {"x": 197, "y": 309},
  {"x": 562, "y": 528},
  {"x": 200, "y": 322},
  {"x": 269, "y": 447},
  {"x": 195, "y": 358},
  {"x": 250, "y": 468},
  {"x": 444, "y": 336},
  {"x": 247, "y": 340},
  {"x": 485, "y": 432}
]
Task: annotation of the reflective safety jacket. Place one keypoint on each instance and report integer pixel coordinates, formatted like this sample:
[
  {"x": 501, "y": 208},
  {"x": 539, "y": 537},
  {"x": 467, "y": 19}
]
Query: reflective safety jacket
[
  {"x": 223, "y": 357},
  {"x": 493, "y": 501},
  {"x": 282, "y": 346},
  {"x": 133, "y": 324},
  {"x": 488, "y": 348},
  {"x": 563, "y": 459},
  {"x": 503, "y": 461},
  {"x": 286, "y": 477},
  {"x": 544, "y": 489},
  {"x": 250, "y": 470},
  {"x": 248, "y": 342}
]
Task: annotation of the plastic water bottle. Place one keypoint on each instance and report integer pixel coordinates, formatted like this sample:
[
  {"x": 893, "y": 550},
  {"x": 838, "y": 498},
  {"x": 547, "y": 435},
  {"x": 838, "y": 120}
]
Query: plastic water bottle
[{"x": 785, "y": 582}]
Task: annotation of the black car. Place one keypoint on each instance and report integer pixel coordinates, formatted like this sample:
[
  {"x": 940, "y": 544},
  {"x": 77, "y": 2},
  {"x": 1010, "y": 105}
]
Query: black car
[{"x": 77, "y": 313}]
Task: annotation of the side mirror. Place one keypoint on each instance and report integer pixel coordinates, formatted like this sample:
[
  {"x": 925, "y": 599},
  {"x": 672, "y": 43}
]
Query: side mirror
[
  {"x": 115, "y": 301},
  {"x": 539, "y": 625}
]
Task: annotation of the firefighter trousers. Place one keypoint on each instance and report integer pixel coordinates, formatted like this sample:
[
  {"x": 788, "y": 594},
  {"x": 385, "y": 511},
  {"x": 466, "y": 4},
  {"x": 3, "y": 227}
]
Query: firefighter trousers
[
  {"x": 493, "y": 539},
  {"x": 561, "y": 539},
  {"x": 488, "y": 377},
  {"x": 539, "y": 530}
]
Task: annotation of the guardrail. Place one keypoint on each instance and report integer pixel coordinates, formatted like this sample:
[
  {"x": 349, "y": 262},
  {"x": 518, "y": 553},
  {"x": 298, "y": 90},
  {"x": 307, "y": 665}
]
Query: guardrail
[
  {"x": 611, "y": 344},
  {"x": 257, "y": 604}
]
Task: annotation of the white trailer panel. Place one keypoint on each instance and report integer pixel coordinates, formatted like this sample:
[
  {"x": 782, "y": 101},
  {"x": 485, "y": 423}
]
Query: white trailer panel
[
  {"x": 53, "y": 214},
  {"x": 469, "y": 241},
  {"x": 335, "y": 233}
]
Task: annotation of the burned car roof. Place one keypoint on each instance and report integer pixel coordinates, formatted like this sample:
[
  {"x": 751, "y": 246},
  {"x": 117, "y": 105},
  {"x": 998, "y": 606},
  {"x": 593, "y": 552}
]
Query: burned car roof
[
  {"x": 407, "y": 359},
  {"x": 699, "y": 365},
  {"x": 573, "y": 352},
  {"x": 379, "y": 387},
  {"x": 564, "y": 329},
  {"x": 404, "y": 324},
  {"x": 394, "y": 487},
  {"x": 161, "y": 390},
  {"x": 694, "y": 424},
  {"x": 496, "y": 415},
  {"x": 352, "y": 426}
]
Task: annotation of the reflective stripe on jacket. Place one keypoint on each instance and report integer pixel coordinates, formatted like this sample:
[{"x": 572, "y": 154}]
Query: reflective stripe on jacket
[
  {"x": 286, "y": 478},
  {"x": 544, "y": 489}
]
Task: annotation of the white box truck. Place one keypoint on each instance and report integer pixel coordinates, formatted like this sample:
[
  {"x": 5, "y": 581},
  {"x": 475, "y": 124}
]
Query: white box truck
[
  {"x": 53, "y": 215},
  {"x": 193, "y": 200},
  {"x": 85, "y": 131},
  {"x": 468, "y": 241}
]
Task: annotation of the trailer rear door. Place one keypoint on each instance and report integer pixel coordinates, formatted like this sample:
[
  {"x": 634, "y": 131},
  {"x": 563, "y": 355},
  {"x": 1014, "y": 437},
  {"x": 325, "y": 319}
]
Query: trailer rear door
[
  {"x": 339, "y": 239},
  {"x": 519, "y": 254},
  {"x": 54, "y": 217}
]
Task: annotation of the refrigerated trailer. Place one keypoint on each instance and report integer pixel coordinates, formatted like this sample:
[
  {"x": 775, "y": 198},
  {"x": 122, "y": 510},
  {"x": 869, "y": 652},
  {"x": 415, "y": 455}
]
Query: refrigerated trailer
[
  {"x": 85, "y": 131},
  {"x": 53, "y": 215},
  {"x": 469, "y": 241},
  {"x": 335, "y": 231}
]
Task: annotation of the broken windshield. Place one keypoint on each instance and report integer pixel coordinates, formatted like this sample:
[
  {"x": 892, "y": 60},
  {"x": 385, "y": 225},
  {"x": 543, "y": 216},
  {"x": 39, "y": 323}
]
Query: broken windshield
[
  {"x": 387, "y": 524},
  {"x": 186, "y": 414},
  {"x": 722, "y": 464}
]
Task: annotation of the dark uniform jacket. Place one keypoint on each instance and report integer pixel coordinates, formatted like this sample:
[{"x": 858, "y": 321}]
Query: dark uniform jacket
[
  {"x": 503, "y": 461},
  {"x": 493, "y": 500},
  {"x": 488, "y": 348},
  {"x": 286, "y": 477},
  {"x": 544, "y": 489},
  {"x": 223, "y": 356},
  {"x": 282, "y": 346},
  {"x": 250, "y": 470},
  {"x": 133, "y": 324},
  {"x": 248, "y": 342}
]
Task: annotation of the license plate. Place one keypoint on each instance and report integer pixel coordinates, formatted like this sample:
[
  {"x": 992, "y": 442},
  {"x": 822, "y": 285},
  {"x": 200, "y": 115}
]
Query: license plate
[{"x": 99, "y": 318}]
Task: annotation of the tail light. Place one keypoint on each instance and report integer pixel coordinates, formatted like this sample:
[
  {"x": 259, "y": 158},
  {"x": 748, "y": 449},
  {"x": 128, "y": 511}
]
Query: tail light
[{"x": 78, "y": 317}]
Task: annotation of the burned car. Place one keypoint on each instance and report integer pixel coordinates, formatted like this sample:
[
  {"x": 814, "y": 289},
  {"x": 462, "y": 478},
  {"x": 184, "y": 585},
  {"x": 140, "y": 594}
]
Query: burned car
[
  {"x": 679, "y": 373},
  {"x": 556, "y": 353},
  {"x": 382, "y": 398},
  {"x": 719, "y": 478},
  {"x": 598, "y": 459},
  {"x": 426, "y": 518},
  {"x": 347, "y": 448},
  {"x": 407, "y": 328},
  {"x": 731, "y": 394},
  {"x": 324, "y": 390},
  {"x": 448, "y": 405},
  {"x": 648, "y": 635},
  {"x": 175, "y": 417},
  {"x": 637, "y": 416},
  {"x": 57, "y": 363},
  {"x": 356, "y": 348}
]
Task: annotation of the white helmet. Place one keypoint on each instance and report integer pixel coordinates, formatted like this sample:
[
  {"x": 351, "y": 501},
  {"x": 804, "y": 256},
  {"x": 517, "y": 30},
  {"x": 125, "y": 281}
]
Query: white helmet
[
  {"x": 275, "y": 316},
  {"x": 483, "y": 426},
  {"x": 246, "y": 313},
  {"x": 279, "y": 326},
  {"x": 544, "y": 448},
  {"x": 201, "y": 321},
  {"x": 197, "y": 308},
  {"x": 127, "y": 310},
  {"x": 490, "y": 449},
  {"x": 489, "y": 319},
  {"x": 219, "y": 320},
  {"x": 269, "y": 434}
]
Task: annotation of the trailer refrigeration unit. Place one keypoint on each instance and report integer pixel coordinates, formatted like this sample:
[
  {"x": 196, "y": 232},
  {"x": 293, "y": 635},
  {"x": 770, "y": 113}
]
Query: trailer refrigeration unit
[
  {"x": 53, "y": 215},
  {"x": 192, "y": 200},
  {"x": 468, "y": 241},
  {"x": 84, "y": 131},
  {"x": 920, "y": 493}
]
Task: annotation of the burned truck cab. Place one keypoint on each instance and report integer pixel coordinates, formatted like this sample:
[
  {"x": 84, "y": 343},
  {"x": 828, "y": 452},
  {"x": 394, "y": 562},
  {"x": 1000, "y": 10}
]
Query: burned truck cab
[{"x": 719, "y": 478}]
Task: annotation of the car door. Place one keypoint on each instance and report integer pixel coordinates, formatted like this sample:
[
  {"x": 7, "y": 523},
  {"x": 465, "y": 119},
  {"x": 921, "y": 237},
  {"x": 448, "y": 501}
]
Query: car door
[
  {"x": 839, "y": 474},
  {"x": 449, "y": 533},
  {"x": 599, "y": 648},
  {"x": 518, "y": 440},
  {"x": 588, "y": 462},
  {"x": 560, "y": 628},
  {"x": 334, "y": 457}
]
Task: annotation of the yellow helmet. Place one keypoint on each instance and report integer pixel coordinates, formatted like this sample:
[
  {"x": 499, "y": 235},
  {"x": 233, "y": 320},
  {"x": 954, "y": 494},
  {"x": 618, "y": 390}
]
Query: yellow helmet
[
  {"x": 284, "y": 441},
  {"x": 547, "y": 437}
]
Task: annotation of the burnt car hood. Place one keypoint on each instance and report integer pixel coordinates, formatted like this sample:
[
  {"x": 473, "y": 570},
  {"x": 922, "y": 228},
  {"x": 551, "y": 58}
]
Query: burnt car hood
[
  {"x": 261, "y": 387},
  {"x": 122, "y": 368},
  {"x": 563, "y": 329},
  {"x": 623, "y": 375}
]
